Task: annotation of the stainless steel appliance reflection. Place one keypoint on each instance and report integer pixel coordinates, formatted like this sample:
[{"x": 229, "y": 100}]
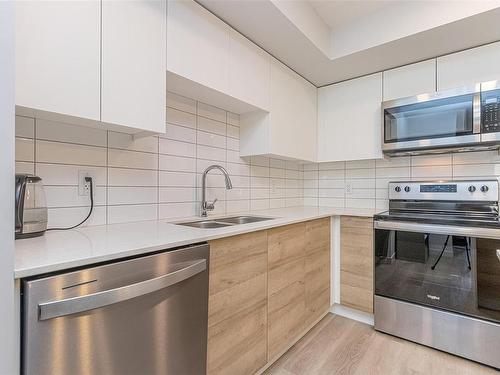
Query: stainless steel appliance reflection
[
  {"x": 140, "y": 316},
  {"x": 437, "y": 266}
]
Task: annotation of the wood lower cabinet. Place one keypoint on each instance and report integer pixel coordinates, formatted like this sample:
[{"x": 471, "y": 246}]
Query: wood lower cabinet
[
  {"x": 266, "y": 288},
  {"x": 299, "y": 280},
  {"x": 237, "y": 304},
  {"x": 356, "y": 263}
]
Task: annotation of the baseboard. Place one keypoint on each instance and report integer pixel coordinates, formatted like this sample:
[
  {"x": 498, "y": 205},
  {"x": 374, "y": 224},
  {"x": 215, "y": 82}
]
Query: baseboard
[
  {"x": 271, "y": 361},
  {"x": 353, "y": 314}
]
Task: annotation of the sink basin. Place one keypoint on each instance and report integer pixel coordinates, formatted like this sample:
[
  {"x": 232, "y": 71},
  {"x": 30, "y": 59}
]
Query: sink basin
[
  {"x": 224, "y": 221},
  {"x": 243, "y": 219},
  {"x": 205, "y": 224}
]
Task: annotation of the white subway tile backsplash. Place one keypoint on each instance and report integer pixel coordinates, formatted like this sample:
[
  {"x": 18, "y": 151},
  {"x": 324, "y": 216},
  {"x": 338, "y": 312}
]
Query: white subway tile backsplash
[
  {"x": 178, "y": 210},
  {"x": 180, "y": 118},
  {"x": 25, "y": 149},
  {"x": 132, "y": 177},
  {"x": 177, "y": 194},
  {"x": 128, "y": 142},
  {"x": 437, "y": 171},
  {"x": 56, "y": 131},
  {"x": 25, "y": 127},
  {"x": 177, "y": 164},
  {"x": 211, "y": 126},
  {"x": 130, "y": 213},
  {"x": 211, "y": 112},
  {"x": 25, "y": 167},
  {"x": 132, "y": 159},
  {"x": 68, "y": 216},
  {"x": 177, "y": 148},
  {"x": 179, "y": 133},
  {"x": 181, "y": 103},
  {"x": 210, "y": 139},
  {"x": 233, "y": 119},
  {"x": 120, "y": 195},
  {"x": 68, "y": 196},
  {"x": 177, "y": 179},
  {"x": 66, "y": 153},
  {"x": 63, "y": 174},
  {"x": 233, "y": 131}
]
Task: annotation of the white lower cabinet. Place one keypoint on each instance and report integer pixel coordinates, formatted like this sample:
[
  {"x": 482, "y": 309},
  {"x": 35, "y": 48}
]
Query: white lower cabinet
[{"x": 349, "y": 120}]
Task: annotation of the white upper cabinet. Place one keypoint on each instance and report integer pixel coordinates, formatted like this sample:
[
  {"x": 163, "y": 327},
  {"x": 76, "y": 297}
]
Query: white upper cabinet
[
  {"x": 469, "y": 67},
  {"x": 409, "y": 80},
  {"x": 293, "y": 130},
  {"x": 349, "y": 119},
  {"x": 249, "y": 69},
  {"x": 198, "y": 45},
  {"x": 93, "y": 62},
  {"x": 289, "y": 130},
  {"x": 57, "y": 52},
  {"x": 134, "y": 63}
]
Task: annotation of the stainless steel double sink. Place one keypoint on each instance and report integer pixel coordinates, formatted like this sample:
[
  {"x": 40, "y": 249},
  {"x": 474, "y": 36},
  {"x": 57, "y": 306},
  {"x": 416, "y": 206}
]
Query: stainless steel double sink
[{"x": 224, "y": 221}]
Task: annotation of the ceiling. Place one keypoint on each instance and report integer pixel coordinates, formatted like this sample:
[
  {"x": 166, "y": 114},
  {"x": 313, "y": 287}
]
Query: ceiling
[
  {"x": 331, "y": 41},
  {"x": 338, "y": 14}
]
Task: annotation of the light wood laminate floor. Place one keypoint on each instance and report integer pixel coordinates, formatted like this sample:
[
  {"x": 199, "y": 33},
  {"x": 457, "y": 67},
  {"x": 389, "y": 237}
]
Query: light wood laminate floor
[{"x": 338, "y": 345}]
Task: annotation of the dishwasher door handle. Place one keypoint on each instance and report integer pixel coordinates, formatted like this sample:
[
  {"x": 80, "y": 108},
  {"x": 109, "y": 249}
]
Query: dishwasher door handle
[{"x": 54, "y": 309}]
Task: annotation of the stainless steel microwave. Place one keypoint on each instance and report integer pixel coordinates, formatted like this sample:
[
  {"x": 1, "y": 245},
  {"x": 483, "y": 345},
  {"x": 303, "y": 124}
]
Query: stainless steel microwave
[{"x": 461, "y": 119}]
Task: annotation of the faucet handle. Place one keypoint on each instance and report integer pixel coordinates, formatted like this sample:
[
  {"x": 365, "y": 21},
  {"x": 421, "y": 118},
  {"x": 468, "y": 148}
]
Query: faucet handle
[{"x": 209, "y": 206}]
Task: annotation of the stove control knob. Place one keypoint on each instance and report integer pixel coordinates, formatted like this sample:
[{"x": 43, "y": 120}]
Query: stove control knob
[
  {"x": 398, "y": 189},
  {"x": 484, "y": 188},
  {"x": 472, "y": 188},
  {"x": 407, "y": 189}
]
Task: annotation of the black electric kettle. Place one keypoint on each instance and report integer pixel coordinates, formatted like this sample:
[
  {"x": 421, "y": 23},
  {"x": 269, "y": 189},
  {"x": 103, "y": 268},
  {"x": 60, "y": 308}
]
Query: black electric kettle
[{"x": 31, "y": 207}]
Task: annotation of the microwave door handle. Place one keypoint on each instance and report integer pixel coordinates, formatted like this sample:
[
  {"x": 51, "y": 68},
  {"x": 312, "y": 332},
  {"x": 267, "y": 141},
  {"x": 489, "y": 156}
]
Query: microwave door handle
[
  {"x": 476, "y": 113},
  {"x": 74, "y": 305}
]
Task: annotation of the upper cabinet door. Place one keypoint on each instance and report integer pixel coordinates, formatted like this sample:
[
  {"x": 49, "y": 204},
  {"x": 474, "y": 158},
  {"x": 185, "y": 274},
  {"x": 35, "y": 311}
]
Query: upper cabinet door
[
  {"x": 349, "y": 119},
  {"x": 293, "y": 125},
  {"x": 469, "y": 67},
  {"x": 409, "y": 80},
  {"x": 198, "y": 45},
  {"x": 249, "y": 68},
  {"x": 57, "y": 51},
  {"x": 134, "y": 63}
]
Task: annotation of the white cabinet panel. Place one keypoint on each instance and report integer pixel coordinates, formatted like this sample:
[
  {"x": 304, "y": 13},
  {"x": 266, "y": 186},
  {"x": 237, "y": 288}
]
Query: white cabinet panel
[
  {"x": 290, "y": 129},
  {"x": 58, "y": 56},
  {"x": 249, "y": 68},
  {"x": 134, "y": 63},
  {"x": 409, "y": 80},
  {"x": 293, "y": 114},
  {"x": 349, "y": 119},
  {"x": 198, "y": 45},
  {"x": 469, "y": 67}
]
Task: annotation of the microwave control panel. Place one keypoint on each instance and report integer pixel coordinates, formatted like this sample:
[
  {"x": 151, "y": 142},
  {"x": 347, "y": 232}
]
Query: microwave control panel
[{"x": 490, "y": 111}]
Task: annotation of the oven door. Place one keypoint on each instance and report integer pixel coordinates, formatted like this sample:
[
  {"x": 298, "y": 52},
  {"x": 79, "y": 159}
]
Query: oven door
[
  {"x": 445, "y": 119},
  {"x": 450, "y": 268}
]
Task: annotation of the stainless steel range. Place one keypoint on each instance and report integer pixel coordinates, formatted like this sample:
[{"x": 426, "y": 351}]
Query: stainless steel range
[{"x": 437, "y": 267}]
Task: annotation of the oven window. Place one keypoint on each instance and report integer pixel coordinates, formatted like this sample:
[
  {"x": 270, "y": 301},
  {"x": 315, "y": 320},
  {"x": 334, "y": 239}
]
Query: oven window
[
  {"x": 455, "y": 273},
  {"x": 432, "y": 119}
]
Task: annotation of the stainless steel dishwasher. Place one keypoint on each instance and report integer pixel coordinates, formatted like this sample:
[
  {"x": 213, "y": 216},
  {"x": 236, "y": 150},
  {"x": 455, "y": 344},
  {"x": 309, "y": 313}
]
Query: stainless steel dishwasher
[{"x": 140, "y": 316}]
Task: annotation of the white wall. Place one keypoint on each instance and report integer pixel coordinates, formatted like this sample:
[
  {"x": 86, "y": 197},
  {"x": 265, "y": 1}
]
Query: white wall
[{"x": 8, "y": 341}]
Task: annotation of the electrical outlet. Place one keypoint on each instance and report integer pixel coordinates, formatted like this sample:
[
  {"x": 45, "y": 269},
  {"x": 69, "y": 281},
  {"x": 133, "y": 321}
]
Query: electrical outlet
[
  {"x": 348, "y": 189},
  {"x": 84, "y": 186}
]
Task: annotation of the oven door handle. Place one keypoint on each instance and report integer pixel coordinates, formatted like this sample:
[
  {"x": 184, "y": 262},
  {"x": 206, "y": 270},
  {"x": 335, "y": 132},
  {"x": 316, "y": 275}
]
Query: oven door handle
[
  {"x": 438, "y": 229},
  {"x": 68, "y": 306}
]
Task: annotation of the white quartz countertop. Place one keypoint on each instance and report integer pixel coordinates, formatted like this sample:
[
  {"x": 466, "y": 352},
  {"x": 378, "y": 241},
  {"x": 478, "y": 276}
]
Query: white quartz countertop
[{"x": 59, "y": 250}]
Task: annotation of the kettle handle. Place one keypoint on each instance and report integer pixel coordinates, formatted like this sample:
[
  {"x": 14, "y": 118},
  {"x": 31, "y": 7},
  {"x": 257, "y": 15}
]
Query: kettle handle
[{"x": 20, "y": 192}]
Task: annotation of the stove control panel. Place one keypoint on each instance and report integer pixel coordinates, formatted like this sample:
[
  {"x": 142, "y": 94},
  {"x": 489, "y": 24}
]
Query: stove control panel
[{"x": 482, "y": 190}]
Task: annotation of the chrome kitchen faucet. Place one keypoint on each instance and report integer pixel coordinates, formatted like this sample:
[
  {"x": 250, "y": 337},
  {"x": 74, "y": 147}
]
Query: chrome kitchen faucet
[{"x": 209, "y": 206}]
